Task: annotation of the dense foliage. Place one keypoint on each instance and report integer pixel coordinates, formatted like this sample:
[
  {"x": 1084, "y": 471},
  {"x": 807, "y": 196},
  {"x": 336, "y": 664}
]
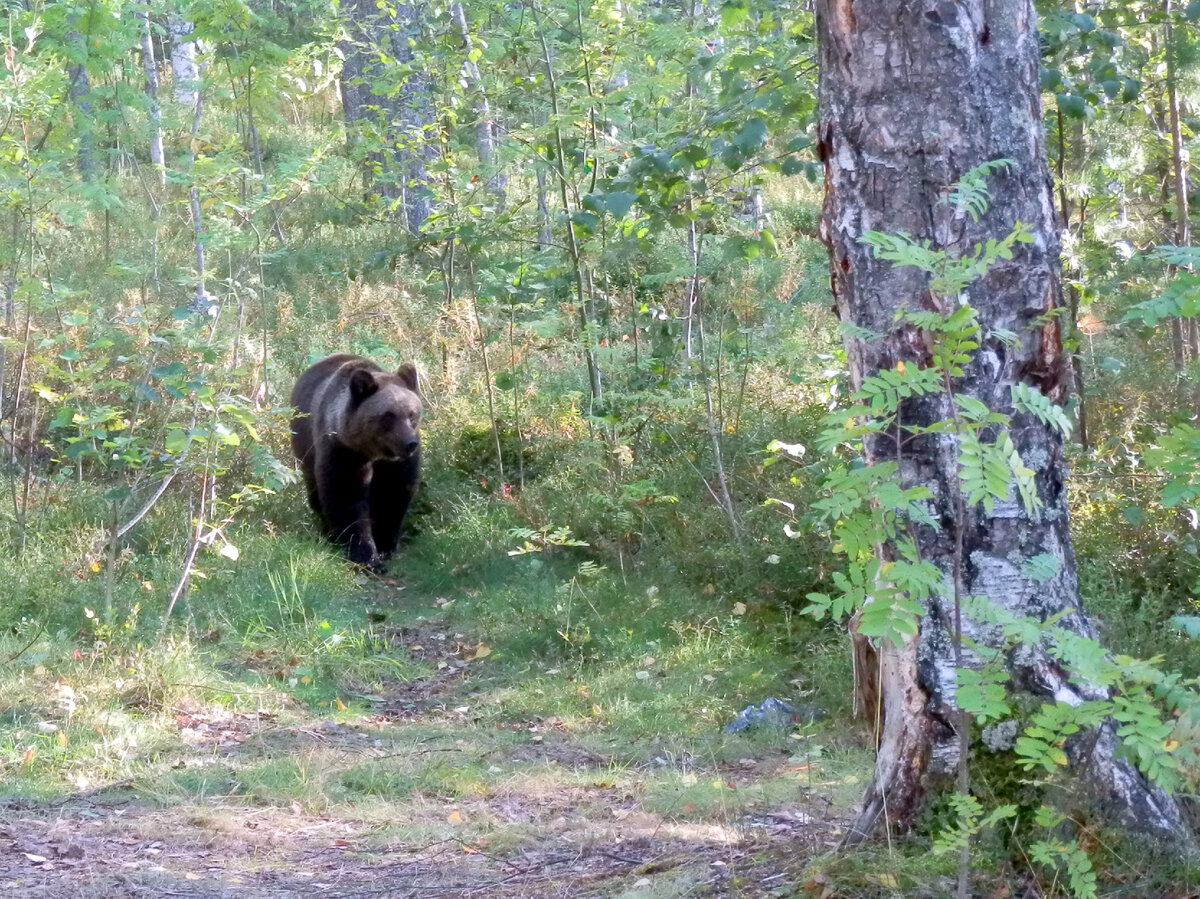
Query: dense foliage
[{"x": 594, "y": 228}]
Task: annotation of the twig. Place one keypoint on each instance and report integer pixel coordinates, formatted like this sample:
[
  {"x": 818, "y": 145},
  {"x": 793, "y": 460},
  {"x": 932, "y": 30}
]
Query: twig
[{"x": 16, "y": 655}]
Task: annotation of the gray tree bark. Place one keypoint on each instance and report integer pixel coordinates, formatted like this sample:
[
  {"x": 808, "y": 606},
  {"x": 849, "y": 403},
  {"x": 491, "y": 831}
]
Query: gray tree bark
[
  {"x": 912, "y": 96},
  {"x": 403, "y": 116},
  {"x": 150, "y": 66},
  {"x": 80, "y": 91},
  {"x": 185, "y": 87},
  {"x": 486, "y": 136}
]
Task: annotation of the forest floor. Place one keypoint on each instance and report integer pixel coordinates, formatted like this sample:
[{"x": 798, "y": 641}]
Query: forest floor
[{"x": 429, "y": 785}]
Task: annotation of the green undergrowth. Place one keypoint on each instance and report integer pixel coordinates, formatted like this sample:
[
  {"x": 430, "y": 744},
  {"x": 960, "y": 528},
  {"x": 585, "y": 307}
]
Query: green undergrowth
[{"x": 465, "y": 676}]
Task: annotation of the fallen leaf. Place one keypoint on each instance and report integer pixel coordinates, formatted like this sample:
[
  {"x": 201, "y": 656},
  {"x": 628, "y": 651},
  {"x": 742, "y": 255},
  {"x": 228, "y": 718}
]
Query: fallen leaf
[
  {"x": 482, "y": 651},
  {"x": 190, "y": 876},
  {"x": 688, "y": 808},
  {"x": 95, "y": 566},
  {"x": 61, "y": 738},
  {"x": 35, "y": 858},
  {"x": 455, "y": 817},
  {"x": 341, "y": 706},
  {"x": 230, "y": 552},
  {"x": 739, "y": 608}
]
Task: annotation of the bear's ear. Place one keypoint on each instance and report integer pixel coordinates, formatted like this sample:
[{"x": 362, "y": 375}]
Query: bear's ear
[
  {"x": 362, "y": 385},
  {"x": 407, "y": 373}
]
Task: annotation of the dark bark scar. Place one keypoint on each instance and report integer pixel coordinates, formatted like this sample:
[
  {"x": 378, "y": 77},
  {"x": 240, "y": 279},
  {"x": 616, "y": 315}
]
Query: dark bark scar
[
  {"x": 825, "y": 144},
  {"x": 1049, "y": 367}
]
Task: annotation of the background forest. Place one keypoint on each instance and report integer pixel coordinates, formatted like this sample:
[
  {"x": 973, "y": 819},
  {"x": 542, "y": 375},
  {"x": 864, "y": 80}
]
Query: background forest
[{"x": 594, "y": 227}]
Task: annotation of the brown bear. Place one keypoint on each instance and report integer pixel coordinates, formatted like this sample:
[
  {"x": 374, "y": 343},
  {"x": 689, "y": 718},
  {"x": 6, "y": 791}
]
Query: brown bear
[{"x": 355, "y": 434}]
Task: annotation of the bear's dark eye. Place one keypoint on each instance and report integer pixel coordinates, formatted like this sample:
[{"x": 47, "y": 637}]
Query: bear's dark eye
[{"x": 387, "y": 420}]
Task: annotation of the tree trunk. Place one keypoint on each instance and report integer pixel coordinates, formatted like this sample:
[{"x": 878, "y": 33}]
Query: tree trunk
[
  {"x": 404, "y": 114},
  {"x": 150, "y": 66},
  {"x": 892, "y": 141},
  {"x": 185, "y": 86},
  {"x": 80, "y": 91},
  {"x": 485, "y": 126}
]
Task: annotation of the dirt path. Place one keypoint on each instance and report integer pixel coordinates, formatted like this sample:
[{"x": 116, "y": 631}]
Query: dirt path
[{"x": 416, "y": 799}]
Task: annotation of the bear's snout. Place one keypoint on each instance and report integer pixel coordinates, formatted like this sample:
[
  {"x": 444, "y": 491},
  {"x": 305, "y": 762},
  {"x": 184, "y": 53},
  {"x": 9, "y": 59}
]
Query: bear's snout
[{"x": 399, "y": 450}]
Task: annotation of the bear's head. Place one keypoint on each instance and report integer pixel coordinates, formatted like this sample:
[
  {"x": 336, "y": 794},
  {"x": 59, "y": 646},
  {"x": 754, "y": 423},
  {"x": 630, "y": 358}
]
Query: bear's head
[{"x": 384, "y": 414}]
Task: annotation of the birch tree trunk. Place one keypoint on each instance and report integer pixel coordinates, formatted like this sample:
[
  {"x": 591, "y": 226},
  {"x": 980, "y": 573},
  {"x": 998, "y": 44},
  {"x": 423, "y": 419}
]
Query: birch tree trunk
[
  {"x": 185, "y": 87},
  {"x": 485, "y": 126},
  {"x": 912, "y": 96},
  {"x": 403, "y": 115},
  {"x": 150, "y": 66}
]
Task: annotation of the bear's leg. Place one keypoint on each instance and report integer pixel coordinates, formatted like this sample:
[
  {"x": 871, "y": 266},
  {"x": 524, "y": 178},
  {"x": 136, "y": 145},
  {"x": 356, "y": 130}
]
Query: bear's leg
[
  {"x": 342, "y": 482},
  {"x": 392, "y": 488}
]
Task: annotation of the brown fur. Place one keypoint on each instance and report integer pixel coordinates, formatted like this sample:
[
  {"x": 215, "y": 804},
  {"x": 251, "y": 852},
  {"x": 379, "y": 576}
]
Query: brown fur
[{"x": 356, "y": 436}]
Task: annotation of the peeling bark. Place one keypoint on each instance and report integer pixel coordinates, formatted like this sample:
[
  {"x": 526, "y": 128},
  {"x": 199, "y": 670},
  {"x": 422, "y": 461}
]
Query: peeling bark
[{"x": 911, "y": 98}]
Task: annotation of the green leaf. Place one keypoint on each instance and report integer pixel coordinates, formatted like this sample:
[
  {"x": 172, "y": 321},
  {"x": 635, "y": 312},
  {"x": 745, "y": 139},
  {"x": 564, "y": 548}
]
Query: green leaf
[
  {"x": 1072, "y": 106},
  {"x": 792, "y": 165},
  {"x": 733, "y": 13},
  {"x": 176, "y": 441},
  {"x": 752, "y": 137}
]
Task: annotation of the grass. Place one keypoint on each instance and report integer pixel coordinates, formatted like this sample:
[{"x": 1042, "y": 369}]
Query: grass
[{"x": 503, "y": 703}]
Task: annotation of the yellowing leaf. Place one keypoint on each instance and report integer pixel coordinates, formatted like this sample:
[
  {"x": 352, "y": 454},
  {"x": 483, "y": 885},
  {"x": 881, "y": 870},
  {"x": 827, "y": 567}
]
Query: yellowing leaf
[
  {"x": 61, "y": 738},
  {"x": 305, "y": 679},
  {"x": 482, "y": 651},
  {"x": 341, "y": 706},
  {"x": 95, "y": 566}
]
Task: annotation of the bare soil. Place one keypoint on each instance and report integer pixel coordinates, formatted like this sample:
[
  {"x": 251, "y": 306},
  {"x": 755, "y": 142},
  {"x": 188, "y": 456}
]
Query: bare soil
[{"x": 562, "y": 839}]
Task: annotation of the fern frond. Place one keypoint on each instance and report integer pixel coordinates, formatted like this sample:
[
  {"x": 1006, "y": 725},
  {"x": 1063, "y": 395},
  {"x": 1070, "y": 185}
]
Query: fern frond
[{"x": 970, "y": 194}]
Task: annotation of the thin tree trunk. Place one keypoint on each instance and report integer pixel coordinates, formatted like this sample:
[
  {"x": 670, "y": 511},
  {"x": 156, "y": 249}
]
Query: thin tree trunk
[
  {"x": 256, "y": 153},
  {"x": 1064, "y": 207},
  {"x": 79, "y": 91},
  {"x": 890, "y": 143},
  {"x": 1190, "y": 347},
  {"x": 185, "y": 86},
  {"x": 560, "y": 159},
  {"x": 150, "y": 66},
  {"x": 544, "y": 235},
  {"x": 485, "y": 126}
]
